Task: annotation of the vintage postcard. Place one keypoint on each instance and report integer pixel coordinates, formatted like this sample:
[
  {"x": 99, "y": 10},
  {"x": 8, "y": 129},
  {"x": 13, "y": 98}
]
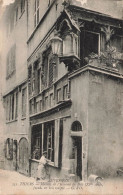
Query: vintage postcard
[{"x": 61, "y": 97}]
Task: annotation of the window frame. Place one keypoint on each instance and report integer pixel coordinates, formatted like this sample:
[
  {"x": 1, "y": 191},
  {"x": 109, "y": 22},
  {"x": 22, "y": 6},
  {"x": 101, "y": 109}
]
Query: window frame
[
  {"x": 65, "y": 92},
  {"x": 99, "y": 42},
  {"x": 59, "y": 95},
  {"x": 24, "y": 102},
  {"x": 36, "y": 12},
  {"x": 12, "y": 107},
  {"x": 55, "y": 157},
  {"x": 22, "y": 7}
]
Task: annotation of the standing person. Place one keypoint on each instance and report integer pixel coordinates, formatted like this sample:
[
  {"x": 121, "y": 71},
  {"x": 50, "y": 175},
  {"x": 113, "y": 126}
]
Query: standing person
[{"x": 42, "y": 167}]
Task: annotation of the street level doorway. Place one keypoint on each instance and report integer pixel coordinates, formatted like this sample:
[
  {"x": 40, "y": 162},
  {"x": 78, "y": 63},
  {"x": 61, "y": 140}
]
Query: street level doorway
[
  {"x": 23, "y": 156},
  {"x": 77, "y": 149}
]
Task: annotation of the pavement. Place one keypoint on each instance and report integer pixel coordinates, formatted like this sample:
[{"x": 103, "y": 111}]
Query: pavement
[{"x": 14, "y": 183}]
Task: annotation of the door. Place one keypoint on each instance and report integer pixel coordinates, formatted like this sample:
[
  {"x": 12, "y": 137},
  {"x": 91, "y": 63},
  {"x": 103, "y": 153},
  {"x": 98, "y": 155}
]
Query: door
[
  {"x": 77, "y": 154},
  {"x": 15, "y": 155},
  {"x": 23, "y": 156}
]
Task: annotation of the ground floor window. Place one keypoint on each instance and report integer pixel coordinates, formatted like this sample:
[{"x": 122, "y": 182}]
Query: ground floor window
[
  {"x": 36, "y": 142},
  {"x": 49, "y": 140},
  {"x": 48, "y": 137}
]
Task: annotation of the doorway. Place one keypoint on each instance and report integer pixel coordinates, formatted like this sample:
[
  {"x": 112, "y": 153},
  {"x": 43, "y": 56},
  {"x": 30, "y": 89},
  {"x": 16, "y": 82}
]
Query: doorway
[
  {"x": 77, "y": 149},
  {"x": 23, "y": 156},
  {"x": 15, "y": 155},
  {"x": 77, "y": 156}
]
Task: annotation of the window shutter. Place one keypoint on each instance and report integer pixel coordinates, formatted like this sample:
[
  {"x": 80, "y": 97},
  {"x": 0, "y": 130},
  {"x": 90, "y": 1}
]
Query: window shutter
[
  {"x": 11, "y": 149},
  {"x": 57, "y": 125}
]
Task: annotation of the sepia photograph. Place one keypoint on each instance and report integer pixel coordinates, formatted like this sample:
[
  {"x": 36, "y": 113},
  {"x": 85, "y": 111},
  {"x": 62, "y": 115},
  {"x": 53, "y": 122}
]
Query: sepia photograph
[{"x": 61, "y": 97}]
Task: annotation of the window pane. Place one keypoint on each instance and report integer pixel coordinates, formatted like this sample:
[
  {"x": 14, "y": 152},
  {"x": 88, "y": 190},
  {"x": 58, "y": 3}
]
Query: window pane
[
  {"x": 65, "y": 91},
  {"x": 46, "y": 102},
  {"x": 36, "y": 142},
  {"x": 59, "y": 95},
  {"x": 24, "y": 99},
  {"x": 88, "y": 43},
  {"x": 50, "y": 72},
  {"x": 37, "y": 16},
  {"x": 51, "y": 100},
  {"x": 16, "y": 111},
  {"x": 67, "y": 45}
]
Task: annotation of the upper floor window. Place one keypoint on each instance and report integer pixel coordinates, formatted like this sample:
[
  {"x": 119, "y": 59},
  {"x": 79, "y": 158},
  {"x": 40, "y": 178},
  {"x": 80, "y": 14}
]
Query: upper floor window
[
  {"x": 51, "y": 99},
  {"x": 46, "y": 102},
  {"x": 36, "y": 13},
  {"x": 24, "y": 100},
  {"x": 16, "y": 14},
  {"x": 49, "y": 68},
  {"x": 90, "y": 43},
  {"x": 65, "y": 92},
  {"x": 10, "y": 64},
  {"x": 22, "y": 5},
  {"x": 12, "y": 107}
]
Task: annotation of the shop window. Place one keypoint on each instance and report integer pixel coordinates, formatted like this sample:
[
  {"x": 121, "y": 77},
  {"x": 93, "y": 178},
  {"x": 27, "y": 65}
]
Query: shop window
[
  {"x": 9, "y": 149},
  {"x": 37, "y": 142},
  {"x": 89, "y": 43},
  {"x": 48, "y": 137},
  {"x": 24, "y": 101},
  {"x": 36, "y": 12},
  {"x": 49, "y": 140},
  {"x": 65, "y": 92}
]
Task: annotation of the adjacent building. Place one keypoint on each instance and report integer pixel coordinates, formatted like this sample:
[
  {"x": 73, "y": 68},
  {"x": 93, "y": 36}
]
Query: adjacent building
[
  {"x": 15, "y": 89},
  {"x": 63, "y": 89}
]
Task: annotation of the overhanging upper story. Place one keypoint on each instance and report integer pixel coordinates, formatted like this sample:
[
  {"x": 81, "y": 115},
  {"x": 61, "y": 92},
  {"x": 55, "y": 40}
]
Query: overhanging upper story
[{"x": 88, "y": 40}]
